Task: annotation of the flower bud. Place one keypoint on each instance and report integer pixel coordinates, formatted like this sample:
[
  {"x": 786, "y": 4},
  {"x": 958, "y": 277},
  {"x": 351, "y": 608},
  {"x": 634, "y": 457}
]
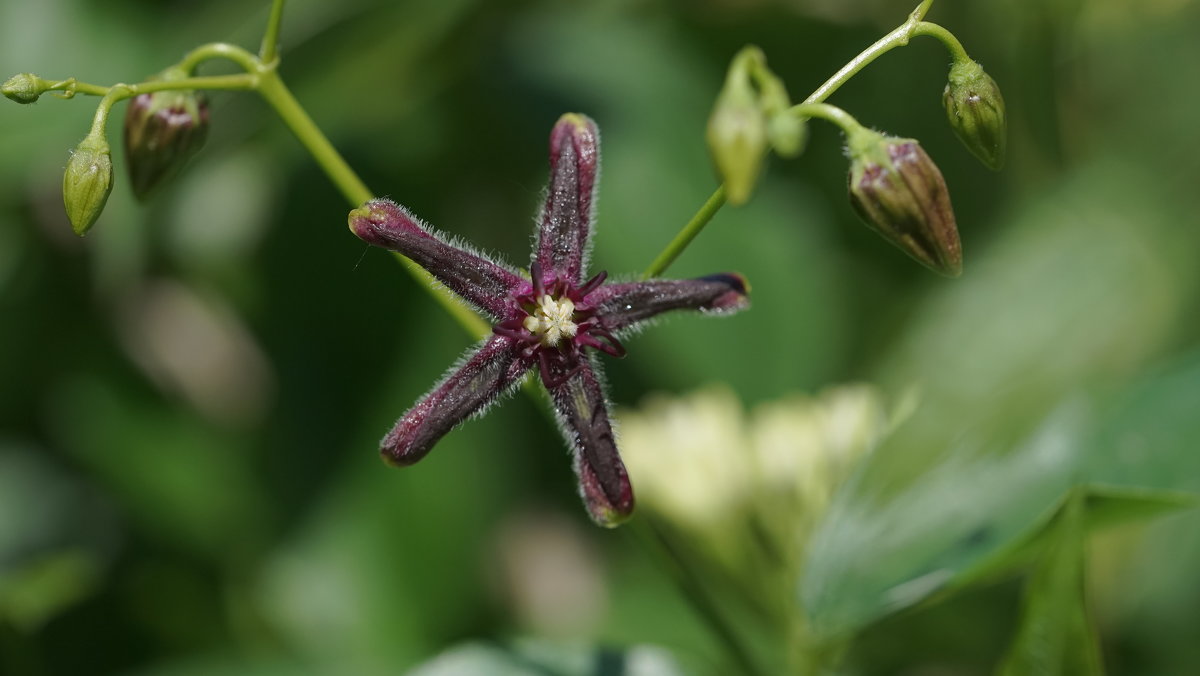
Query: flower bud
[
  {"x": 22, "y": 88},
  {"x": 899, "y": 192},
  {"x": 737, "y": 136},
  {"x": 976, "y": 112},
  {"x": 787, "y": 134},
  {"x": 87, "y": 182},
  {"x": 162, "y": 132}
]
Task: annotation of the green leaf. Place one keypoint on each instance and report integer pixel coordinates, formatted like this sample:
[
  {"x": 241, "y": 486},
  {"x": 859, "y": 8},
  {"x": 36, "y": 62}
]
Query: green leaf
[
  {"x": 1103, "y": 507},
  {"x": 981, "y": 511},
  {"x": 1056, "y": 636},
  {"x": 1010, "y": 419},
  {"x": 1150, "y": 433},
  {"x": 529, "y": 658},
  {"x": 41, "y": 588},
  {"x": 888, "y": 543},
  {"x": 181, "y": 479}
]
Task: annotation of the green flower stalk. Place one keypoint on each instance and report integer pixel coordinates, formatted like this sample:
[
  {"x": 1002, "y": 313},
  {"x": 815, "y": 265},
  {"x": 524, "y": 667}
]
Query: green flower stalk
[
  {"x": 975, "y": 109},
  {"x": 900, "y": 193},
  {"x": 87, "y": 182},
  {"x": 163, "y": 130}
]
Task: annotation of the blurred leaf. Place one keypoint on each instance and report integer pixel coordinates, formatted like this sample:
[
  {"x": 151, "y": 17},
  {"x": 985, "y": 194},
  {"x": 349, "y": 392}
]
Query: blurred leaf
[
  {"x": 527, "y": 658},
  {"x": 182, "y": 479},
  {"x": 42, "y": 587},
  {"x": 876, "y": 553},
  {"x": 1082, "y": 285},
  {"x": 1103, "y": 507},
  {"x": 1151, "y": 437},
  {"x": 1108, "y": 507},
  {"x": 980, "y": 513},
  {"x": 52, "y": 537},
  {"x": 384, "y": 567},
  {"x": 35, "y": 501},
  {"x": 1056, "y": 636},
  {"x": 1006, "y": 425},
  {"x": 1150, "y": 434}
]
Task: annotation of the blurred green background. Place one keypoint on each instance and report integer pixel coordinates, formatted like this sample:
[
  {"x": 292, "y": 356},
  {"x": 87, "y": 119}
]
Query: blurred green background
[{"x": 191, "y": 396}]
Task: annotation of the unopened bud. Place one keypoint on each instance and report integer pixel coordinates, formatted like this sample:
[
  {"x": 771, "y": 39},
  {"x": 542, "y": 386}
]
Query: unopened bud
[
  {"x": 901, "y": 194},
  {"x": 87, "y": 182},
  {"x": 976, "y": 112},
  {"x": 737, "y": 136},
  {"x": 163, "y": 130},
  {"x": 787, "y": 134},
  {"x": 23, "y": 88}
]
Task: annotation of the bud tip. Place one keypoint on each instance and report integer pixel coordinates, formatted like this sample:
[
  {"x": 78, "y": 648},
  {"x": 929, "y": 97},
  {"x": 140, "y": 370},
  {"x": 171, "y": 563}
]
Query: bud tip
[{"x": 22, "y": 88}]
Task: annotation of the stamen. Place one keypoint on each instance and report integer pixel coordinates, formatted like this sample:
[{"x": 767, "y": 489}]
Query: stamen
[
  {"x": 591, "y": 285},
  {"x": 535, "y": 275},
  {"x": 552, "y": 320}
]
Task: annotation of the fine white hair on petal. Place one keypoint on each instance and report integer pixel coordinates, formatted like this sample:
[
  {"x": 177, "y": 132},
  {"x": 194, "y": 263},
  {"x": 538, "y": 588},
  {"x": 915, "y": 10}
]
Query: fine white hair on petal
[
  {"x": 457, "y": 242},
  {"x": 448, "y": 373},
  {"x": 453, "y": 240},
  {"x": 585, "y": 256},
  {"x": 574, "y": 443}
]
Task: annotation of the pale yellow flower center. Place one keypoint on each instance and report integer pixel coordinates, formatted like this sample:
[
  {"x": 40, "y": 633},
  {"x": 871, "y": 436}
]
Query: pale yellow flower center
[{"x": 550, "y": 320}]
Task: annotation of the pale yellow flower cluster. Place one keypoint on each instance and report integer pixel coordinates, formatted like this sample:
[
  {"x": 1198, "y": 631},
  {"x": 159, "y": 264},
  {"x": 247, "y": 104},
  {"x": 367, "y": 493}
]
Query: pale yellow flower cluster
[{"x": 748, "y": 486}]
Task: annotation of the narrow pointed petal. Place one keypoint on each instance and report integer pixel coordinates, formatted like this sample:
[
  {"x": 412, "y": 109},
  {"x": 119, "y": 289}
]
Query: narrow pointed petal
[
  {"x": 477, "y": 280},
  {"x": 492, "y": 370},
  {"x": 566, "y": 222},
  {"x": 583, "y": 413},
  {"x": 623, "y": 305}
]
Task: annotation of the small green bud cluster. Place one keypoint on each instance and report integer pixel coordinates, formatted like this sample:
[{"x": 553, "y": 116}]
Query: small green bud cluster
[
  {"x": 746, "y": 121},
  {"x": 894, "y": 186},
  {"x": 163, "y": 129}
]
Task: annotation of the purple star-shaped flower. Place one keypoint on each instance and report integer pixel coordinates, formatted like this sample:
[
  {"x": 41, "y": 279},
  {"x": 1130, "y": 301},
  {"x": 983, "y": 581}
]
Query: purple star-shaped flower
[{"x": 555, "y": 320}]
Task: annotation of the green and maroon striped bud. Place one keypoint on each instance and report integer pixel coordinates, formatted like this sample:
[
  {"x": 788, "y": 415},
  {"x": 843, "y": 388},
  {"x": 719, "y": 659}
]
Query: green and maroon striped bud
[
  {"x": 87, "y": 182},
  {"x": 900, "y": 193},
  {"x": 163, "y": 130},
  {"x": 975, "y": 109}
]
